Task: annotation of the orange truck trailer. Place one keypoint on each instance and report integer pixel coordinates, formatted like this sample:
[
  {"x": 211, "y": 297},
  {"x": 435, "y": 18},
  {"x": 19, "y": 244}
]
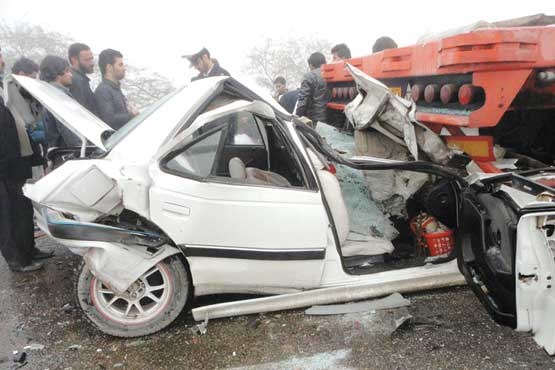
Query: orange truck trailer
[{"x": 476, "y": 89}]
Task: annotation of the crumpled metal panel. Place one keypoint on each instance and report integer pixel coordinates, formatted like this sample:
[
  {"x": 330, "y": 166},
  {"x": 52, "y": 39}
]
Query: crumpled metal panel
[
  {"x": 86, "y": 189},
  {"x": 118, "y": 266},
  {"x": 378, "y": 108}
]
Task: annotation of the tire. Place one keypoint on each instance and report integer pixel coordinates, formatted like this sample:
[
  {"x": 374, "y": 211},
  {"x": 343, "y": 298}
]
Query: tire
[{"x": 150, "y": 304}]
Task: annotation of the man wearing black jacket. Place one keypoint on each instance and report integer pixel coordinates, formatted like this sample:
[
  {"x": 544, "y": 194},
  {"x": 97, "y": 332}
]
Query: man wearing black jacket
[
  {"x": 113, "y": 107},
  {"x": 313, "y": 94},
  {"x": 17, "y": 156},
  {"x": 81, "y": 60},
  {"x": 55, "y": 70},
  {"x": 207, "y": 67},
  {"x": 287, "y": 99}
]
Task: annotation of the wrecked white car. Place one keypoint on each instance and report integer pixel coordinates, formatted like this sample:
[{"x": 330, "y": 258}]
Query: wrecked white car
[{"x": 214, "y": 190}]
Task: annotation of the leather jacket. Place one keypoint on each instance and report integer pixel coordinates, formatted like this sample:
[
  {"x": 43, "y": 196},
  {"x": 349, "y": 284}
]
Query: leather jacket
[{"x": 313, "y": 97}]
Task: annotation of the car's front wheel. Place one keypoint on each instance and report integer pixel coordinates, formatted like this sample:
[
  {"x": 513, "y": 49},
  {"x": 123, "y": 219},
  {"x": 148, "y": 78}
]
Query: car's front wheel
[{"x": 150, "y": 304}]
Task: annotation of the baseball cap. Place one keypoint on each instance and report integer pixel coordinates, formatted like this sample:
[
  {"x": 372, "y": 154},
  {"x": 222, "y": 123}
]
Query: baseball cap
[{"x": 193, "y": 57}]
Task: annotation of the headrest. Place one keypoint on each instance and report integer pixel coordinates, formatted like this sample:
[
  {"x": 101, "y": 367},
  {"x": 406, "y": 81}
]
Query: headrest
[{"x": 237, "y": 169}]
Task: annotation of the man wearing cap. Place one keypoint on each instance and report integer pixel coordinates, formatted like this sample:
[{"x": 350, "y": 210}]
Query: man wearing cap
[{"x": 205, "y": 65}]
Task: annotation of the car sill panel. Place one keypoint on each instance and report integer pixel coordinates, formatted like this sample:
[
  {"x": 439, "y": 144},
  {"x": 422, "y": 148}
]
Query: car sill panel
[{"x": 255, "y": 254}]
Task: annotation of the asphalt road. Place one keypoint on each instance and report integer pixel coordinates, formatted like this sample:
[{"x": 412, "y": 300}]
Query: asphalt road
[{"x": 448, "y": 330}]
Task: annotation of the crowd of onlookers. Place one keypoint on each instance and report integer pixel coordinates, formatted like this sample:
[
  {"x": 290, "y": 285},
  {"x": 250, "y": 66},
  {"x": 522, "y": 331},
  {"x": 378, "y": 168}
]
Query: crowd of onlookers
[
  {"x": 71, "y": 77},
  {"x": 311, "y": 98},
  {"x": 24, "y": 145}
]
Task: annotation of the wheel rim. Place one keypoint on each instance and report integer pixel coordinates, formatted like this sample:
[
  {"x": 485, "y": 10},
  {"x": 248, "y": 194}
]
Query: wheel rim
[{"x": 144, "y": 300}]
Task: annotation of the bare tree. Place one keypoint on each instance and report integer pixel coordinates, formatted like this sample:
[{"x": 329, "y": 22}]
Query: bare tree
[
  {"x": 141, "y": 85},
  {"x": 33, "y": 42},
  {"x": 287, "y": 58}
]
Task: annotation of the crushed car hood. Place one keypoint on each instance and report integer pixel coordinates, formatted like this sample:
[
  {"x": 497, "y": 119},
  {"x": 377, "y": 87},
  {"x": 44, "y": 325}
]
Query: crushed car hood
[{"x": 67, "y": 110}]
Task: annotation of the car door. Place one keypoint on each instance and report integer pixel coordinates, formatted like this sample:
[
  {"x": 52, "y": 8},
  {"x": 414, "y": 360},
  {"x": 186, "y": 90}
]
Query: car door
[
  {"x": 505, "y": 240},
  {"x": 507, "y": 254},
  {"x": 239, "y": 235}
]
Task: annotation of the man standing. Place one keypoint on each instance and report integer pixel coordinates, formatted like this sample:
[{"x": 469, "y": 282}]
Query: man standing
[
  {"x": 287, "y": 99},
  {"x": 81, "y": 59},
  {"x": 313, "y": 94},
  {"x": 28, "y": 68},
  {"x": 340, "y": 52},
  {"x": 383, "y": 43},
  {"x": 206, "y": 66},
  {"x": 25, "y": 67},
  {"x": 56, "y": 71},
  {"x": 113, "y": 107},
  {"x": 17, "y": 242}
]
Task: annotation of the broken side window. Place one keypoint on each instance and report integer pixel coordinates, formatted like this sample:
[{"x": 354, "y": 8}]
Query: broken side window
[{"x": 198, "y": 159}]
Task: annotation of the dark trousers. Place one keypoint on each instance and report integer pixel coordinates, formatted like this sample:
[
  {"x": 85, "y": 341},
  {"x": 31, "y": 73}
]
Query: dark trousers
[{"x": 17, "y": 239}]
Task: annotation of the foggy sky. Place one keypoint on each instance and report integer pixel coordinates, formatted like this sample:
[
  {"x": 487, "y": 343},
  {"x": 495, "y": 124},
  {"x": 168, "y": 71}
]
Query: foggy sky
[{"x": 155, "y": 34}]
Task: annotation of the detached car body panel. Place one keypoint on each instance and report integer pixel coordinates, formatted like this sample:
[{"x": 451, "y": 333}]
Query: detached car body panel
[
  {"x": 214, "y": 189},
  {"x": 507, "y": 252}
]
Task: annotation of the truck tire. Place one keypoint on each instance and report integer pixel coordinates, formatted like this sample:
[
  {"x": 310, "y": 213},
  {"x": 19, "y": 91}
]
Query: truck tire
[{"x": 150, "y": 304}]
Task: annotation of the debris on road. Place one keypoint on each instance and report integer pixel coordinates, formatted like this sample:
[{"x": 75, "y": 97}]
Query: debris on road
[
  {"x": 135, "y": 343},
  {"x": 383, "y": 322},
  {"x": 430, "y": 321},
  {"x": 34, "y": 347},
  {"x": 324, "y": 296},
  {"x": 19, "y": 359},
  {"x": 68, "y": 307},
  {"x": 253, "y": 323},
  {"x": 201, "y": 328},
  {"x": 19, "y": 356},
  {"x": 400, "y": 320},
  {"x": 325, "y": 360},
  {"x": 74, "y": 347},
  {"x": 394, "y": 300}
]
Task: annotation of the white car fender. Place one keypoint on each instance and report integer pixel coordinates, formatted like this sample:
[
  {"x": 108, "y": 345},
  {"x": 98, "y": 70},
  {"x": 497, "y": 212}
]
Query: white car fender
[{"x": 118, "y": 265}]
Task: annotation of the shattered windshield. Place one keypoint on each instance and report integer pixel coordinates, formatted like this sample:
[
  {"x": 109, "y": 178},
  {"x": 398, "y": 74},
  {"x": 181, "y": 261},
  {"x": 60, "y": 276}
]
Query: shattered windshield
[{"x": 111, "y": 141}]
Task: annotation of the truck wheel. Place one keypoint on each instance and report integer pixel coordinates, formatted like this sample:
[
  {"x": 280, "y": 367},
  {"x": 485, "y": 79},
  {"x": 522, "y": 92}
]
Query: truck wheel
[{"x": 150, "y": 304}]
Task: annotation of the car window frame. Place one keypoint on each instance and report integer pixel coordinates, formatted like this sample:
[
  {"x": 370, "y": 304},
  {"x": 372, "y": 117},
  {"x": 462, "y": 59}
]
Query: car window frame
[
  {"x": 296, "y": 154},
  {"x": 189, "y": 175},
  {"x": 224, "y": 127},
  {"x": 234, "y": 131}
]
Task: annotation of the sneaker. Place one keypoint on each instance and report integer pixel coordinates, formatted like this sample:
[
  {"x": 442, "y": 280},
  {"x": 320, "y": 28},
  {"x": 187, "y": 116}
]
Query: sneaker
[
  {"x": 41, "y": 255},
  {"x": 33, "y": 266}
]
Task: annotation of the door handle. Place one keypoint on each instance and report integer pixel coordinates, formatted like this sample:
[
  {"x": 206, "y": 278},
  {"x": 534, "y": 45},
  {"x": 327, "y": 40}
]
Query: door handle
[
  {"x": 527, "y": 278},
  {"x": 176, "y": 209}
]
